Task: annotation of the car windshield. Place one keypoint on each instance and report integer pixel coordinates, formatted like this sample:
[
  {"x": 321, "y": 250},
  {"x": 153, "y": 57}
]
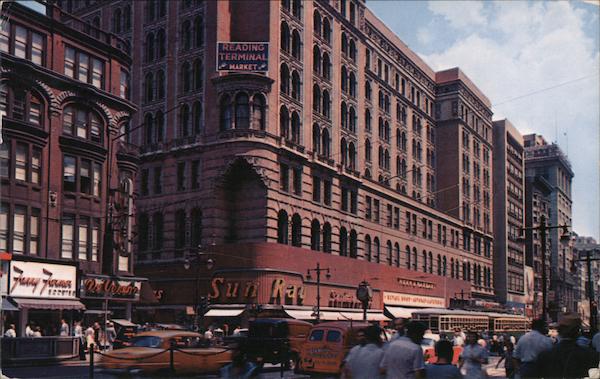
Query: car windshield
[
  {"x": 146, "y": 341},
  {"x": 316, "y": 335},
  {"x": 334, "y": 336}
]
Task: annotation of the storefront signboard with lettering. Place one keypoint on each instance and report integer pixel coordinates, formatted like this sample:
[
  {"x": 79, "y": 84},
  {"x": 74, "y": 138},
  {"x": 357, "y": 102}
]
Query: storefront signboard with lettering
[
  {"x": 243, "y": 56},
  {"x": 113, "y": 288},
  {"x": 405, "y": 299},
  {"x": 42, "y": 280}
]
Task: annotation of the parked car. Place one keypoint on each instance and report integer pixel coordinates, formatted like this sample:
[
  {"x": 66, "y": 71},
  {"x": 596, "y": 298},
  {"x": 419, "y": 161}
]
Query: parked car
[
  {"x": 276, "y": 340},
  {"x": 327, "y": 345},
  {"x": 149, "y": 354},
  {"x": 125, "y": 330}
]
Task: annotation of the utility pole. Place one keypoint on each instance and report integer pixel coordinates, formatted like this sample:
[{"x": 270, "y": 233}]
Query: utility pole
[
  {"x": 591, "y": 297},
  {"x": 318, "y": 271}
]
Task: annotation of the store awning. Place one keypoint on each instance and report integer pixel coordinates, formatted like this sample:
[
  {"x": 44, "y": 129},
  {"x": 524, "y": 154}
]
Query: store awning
[
  {"x": 224, "y": 312},
  {"x": 48, "y": 304},
  {"x": 8, "y": 306},
  {"x": 371, "y": 316},
  {"x": 302, "y": 314},
  {"x": 400, "y": 311},
  {"x": 123, "y": 322}
]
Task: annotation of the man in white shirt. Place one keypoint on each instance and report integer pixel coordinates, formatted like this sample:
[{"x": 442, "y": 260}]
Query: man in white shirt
[
  {"x": 363, "y": 359},
  {"x": 11, "y": 332},
  {"x": 403, "y": 357},
  {"x": 64, "y": 328},
  {"x": 529, "y": 348}
]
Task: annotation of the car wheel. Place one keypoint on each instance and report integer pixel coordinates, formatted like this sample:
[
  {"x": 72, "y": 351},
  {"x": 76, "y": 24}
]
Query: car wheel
[{"x": 292, "y": 363}]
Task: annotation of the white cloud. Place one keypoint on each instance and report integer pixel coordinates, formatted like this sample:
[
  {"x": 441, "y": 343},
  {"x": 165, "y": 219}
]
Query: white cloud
[
  {"x": 424, "y": 35},
  {"x": 514, "y": 48}
]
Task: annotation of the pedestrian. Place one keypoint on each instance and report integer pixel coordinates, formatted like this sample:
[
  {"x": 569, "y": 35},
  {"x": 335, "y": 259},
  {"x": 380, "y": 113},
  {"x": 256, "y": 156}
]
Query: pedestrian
[
  {"x": 458, "y": 339},
  {"x": 89, "y": 337},
  {"x": 364, "y": 359},
  {"x": 240, "y": 367},
  {"x": 37, "y": 332},
  {"x": 78, "y": 330},
  {"x": 208, "y": 335},
  {"x": 399, "y": 324},
  {"x": 11, "y": 332},
  {"x": 237, "y": 331},
  {"x": 566, "y": 359},
  {"x": 403, "y": 357},
  {"x": 529, "y": 347},
  {"x": 443, "y": 367},
  {"x": 507, "y": 357},
  {"x": 29, "y": 331},
  {"x": 64, "y": 328},
  {"x": 473, "y": 357},
  {"x": 111, "y": 335}
]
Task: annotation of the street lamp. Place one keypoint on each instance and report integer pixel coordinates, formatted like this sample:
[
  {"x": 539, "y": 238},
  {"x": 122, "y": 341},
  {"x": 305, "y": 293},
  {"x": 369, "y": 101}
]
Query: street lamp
[
  {"x": 199, "y": 258},
  {"x": 364, "y": 293},
  {"x": 565, "y": 237},
  {"x": 318, "y": 271}
]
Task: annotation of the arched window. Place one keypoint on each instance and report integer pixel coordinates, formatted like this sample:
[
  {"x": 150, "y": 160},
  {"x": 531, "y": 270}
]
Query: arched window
[
  {"x": 296, "y": 85},
  {"x": 225, "y": 109},
  {"x": 162, "y": 8},
  {"x": 161, "y": 41},
  {"x": 430, "y": 261},
  {"x": 326, "y": 30},
  {"x": 197, "y": 116},
  {"x": 344, "y": 79},
  {"x": 367, "y": 120},
  {"x": 295, "y": 128},
  {"x": 296, "y": 45},
  {"x": 315, "y": 235},
  {"x": 377, "y": 250},
  {"x": 386, "y": 157},
  {"x": 282, "y": 227},
  {"x": 186, "y": 76},
  {"x": 285, "y": 4},
  {"x": 352, "y": 85},
  {"x": 258, "y": 112},
  {"x": 353, "y": 244},
  {"x": 198, "y": 78},
  {"x": 326, "y": 71},
  {"x": 127, "y": 18},
  {"x": 284, "y": 121},
  {"x": 149, "y": 87},
  {"x": 159, "y": 122},
  {"x": 326, "y": 104},
  {"x": 439, "y": 264},
  {"x": 150, "y": 11},
  {"x": 368, "y": 150},
  {"x": 117, "y": 21},
  {"x": 368, "y": 252},
  {"x": 352, "y": 119},
  {"x": 199, "y": 31},
  {"x": 316, "y": 99},
  {"x": 424, "y": 258},
  {"x": 296, "y": 230},
  {"x": 368, "y": 91},
  {"x": 444, "y": 266},
  {"x": 242, "y": 111},
  {"x": 397, "y": 254},
  {"x": 352, "y": 50},
  {"x": 284, "y": 78},
  {"x": 415, "y": 260},
  {"x": 325, "y": 143},
  {"x": 317, "y": 64},
  {"x": 408, "y": 257},
  {"x": 327, "y": 237},
  {"x": 389, "y": 253},
  {"x": 316, "y": 138},
  {"x": 344, "y": 152},
  {"x": 184, "y": 121},
  {"x": 285, "y": 37},
  {"x": 343, "y": 242},
  {"x": 149, "y": 129},
  {"x": 297, "y": 8},
  {"x": 344, "y": 43},
  {"x": 160, "y": 84},
  {"x": 186, "y": 35},
  {"x": 344, "y": 115},
  {"x": 317, "y": 23},
  {"x": 452, "y": 267}
]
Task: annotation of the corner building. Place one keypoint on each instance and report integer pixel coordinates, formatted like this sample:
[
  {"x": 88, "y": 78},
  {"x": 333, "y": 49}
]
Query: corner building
[{"x": 348, "y": 150}]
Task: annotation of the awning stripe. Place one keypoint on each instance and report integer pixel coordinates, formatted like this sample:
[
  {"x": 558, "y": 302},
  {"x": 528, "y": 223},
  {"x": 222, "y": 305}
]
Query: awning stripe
[
  {"x": 48, "y": 304},
  {"x": 8, "y": 306},
  {"x": 224, "y": 312},
  {"x": 400, "y": 311}
]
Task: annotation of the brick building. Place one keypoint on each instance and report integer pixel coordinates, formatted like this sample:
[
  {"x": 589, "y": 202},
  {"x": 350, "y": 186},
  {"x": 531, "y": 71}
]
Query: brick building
[
  {"x": 348, "y": 145},
  {"x": 63, "y": 101},
  {"x": 509, "y": 215},
  {"x": 548, "y": 167}
]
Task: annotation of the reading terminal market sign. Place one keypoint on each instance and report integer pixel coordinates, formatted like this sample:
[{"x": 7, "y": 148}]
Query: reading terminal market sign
[{"x": 243, "y": 56}]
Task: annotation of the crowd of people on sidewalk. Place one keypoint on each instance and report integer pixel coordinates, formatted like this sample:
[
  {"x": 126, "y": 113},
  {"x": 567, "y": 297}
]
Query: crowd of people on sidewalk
[{"x": 533, "y": 355}]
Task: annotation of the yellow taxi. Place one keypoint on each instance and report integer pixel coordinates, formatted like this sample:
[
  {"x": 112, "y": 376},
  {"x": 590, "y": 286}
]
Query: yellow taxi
[{"x": 149, "y": 354}]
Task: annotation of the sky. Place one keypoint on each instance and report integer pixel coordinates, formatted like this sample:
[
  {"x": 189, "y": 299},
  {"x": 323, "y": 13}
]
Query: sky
[{"x": 537, "y": 61}]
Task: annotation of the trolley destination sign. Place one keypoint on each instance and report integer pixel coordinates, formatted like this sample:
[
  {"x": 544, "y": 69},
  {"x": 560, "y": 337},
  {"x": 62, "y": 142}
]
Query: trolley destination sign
[{"x": 243, "y": 56}]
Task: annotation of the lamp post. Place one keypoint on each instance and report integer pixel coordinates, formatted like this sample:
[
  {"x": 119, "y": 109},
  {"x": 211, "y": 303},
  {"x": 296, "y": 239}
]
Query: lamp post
[
  {"x": 198, "y": 258},
  {"x": 364, "y": 293},
  {"x": 318, "y": 271},
  {"x": 543, "y": 228}
]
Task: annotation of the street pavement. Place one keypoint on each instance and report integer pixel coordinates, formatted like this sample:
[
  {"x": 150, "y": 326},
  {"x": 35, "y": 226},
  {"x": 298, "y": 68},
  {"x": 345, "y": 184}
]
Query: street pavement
[{"x": 80, "y": 370}]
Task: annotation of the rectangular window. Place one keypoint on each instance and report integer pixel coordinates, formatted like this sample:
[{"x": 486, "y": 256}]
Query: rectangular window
[
  {"x": 69, "y": 62},
  {"x": 327, "y": 192},
  {"x": 5, "y": 36},
  {"x": 36, "y": 159},
  {"x": 414, "y": 224},
  {"x": 181, "y": 176},
  {"x": 85, "y": 177},
  {"x": 81, "y": 123},
  {"x": 124, "y": 85},
  {"x": 95, "y": 240},
  {"x": 83, "y": 68},
  {"x": 95, "y": 129},
  {"x": 389, "y": 215},
  {"x": 368, "y": 207},
  {"x": 195, "y": 174},
  {"x": 376, "y": 211},
  {"x": 68, "y": 121},
  {"x": 157, "y": 180},
  {"x": 3, "y": 100},
  {"x": 37, "y": 48},
  {"x": 83, "y": 238},
  {"x": 68, "y": 225},
  {"x": 407, "y": 222},
  {"x": 18, "y": 242},
  {"x": 69, "y": 174},
  {"x": 5, "y": 159},
  {"x": 344, "y": 199},
  {"x": 298, "y": 181},
  {"x": 21, "y": 162},
  {"x": 284, "y": 177},
  {"x": 3, "y": 227},
  {"x": 396, "y": 218},
  {"x": 20, "y": 42},
  {"x": 316, "y": 194},
  {"x": 35, "y": 111},
  {"x": 97, "y": 73},
  {"x": 144, "y": 182},
  {"x": 97, "y": 179},
  {"x": 353, "y": 202}
]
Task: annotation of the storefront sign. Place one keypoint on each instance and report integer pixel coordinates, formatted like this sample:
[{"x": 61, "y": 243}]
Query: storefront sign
[
  {"x": 394, "y": 298},
  {"x": 342, "y": 299},
  {"x": 42, "y": 280},
  {"x": 243, "y": 56},
  {"x": 281, "y": 292},
  {"x": 114, "y": 288},
  {"x": 415, "y": 283}
]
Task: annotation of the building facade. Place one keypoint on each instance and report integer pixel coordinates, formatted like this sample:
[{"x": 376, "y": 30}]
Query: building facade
[
  {"x": 62, "y": 105},
  {"x": 548, "y": 162},
  {"x": 509, "y": 215},
  {"x": 335, "y": 148},
  {"x": 587, "y": 274}
]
